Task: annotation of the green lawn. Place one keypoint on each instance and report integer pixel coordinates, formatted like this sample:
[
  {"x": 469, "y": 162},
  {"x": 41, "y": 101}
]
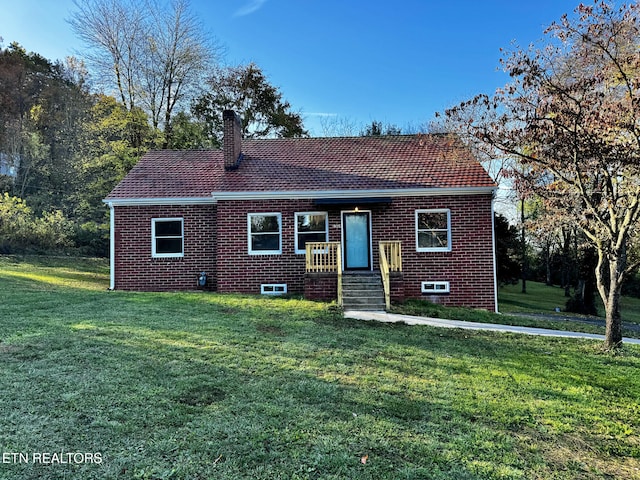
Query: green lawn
[
  {"x": 536, "y": 308},
  {"x": 541, "y": 298},
  {"x": 204, "y": 386}
]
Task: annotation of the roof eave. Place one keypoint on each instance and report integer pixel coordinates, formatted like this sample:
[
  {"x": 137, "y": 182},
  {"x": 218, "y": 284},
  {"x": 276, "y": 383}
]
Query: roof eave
[
  {"x": 129, "y": 202},
  {"x": 301, "y": 194},
  {"x": 313, "y": 194}
]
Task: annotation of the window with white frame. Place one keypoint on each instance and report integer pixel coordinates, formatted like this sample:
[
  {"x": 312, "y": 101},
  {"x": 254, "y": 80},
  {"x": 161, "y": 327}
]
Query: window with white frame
[
  {"x": 273, "y": 288},
  {"x": 433, "y": 230},
  {"x": 311, "y": 227},
  {"x": 167, "y": 237},
  {"x": 265, "y": 233},
  {"x": 435, "y": 287}
]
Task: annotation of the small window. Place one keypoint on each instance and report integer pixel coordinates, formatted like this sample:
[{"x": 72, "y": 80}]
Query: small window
[
  {"x": 311, "y": 227},
  {"x": 265, "y": 233},
  {"x": 273, "y": 288},
  {"x": 435, "y": 287},
  {"x": 433, "y": 230},
  {"x": 167, "y": 237}
]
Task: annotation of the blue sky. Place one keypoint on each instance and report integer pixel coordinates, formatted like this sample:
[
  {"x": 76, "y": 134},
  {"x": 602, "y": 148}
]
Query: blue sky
[{"x": 347, "y": 61}]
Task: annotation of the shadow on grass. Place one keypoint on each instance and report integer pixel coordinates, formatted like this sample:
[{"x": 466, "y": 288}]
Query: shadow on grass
[{"x": 228, "y": 386}]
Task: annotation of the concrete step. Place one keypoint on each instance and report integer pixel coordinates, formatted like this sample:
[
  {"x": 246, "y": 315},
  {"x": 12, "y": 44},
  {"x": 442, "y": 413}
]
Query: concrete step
[{"x": 363, "y": 292}]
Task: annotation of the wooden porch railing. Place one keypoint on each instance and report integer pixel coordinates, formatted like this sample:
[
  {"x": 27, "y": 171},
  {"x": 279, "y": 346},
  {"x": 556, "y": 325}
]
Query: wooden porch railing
[
  {"x": 390, "y": 261},
  {"x": 325, "y": 257}
]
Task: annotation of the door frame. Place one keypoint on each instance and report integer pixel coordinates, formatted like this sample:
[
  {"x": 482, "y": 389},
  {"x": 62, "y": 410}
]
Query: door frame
[{"x": 344, "y": 240}]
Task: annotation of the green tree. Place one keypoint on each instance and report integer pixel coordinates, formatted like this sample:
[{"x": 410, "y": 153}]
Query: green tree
[
  {"x": 188, "y": 133},
  {"x": 259, "y": 104},
  {"x": 42, "y": 109},
  {"x": 507, "y": 251},
  {"x": 376, "y": 129},
  {"x": 113, "y": 140},
  {"x": 22, "y": 231}
]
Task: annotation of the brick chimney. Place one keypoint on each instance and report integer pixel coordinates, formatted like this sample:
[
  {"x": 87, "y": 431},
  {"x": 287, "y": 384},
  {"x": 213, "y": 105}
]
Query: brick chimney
[{"x": 232, "y": 140}]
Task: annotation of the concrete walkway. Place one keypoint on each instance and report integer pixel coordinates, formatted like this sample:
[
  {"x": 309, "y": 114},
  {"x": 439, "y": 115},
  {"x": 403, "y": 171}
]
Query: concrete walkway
[{"x": 438, "y": 322}]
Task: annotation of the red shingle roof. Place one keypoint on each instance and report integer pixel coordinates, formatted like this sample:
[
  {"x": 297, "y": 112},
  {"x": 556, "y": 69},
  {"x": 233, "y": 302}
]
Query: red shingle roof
[{"x": 307, "y": 164}]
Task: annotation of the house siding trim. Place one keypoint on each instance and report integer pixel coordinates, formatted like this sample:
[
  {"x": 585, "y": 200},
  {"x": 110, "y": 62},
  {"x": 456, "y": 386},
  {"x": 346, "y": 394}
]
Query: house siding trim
[
  {"x": 132, "y": 202},
  {"x": 351, "y": 194}
]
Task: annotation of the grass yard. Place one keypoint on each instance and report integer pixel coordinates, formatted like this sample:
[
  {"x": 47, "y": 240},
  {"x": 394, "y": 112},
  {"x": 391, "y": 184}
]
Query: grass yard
[
  {"x": 536, "y": 308},
  {"x": 542, "y": 298},
  {"x": 204, "y": 386}
]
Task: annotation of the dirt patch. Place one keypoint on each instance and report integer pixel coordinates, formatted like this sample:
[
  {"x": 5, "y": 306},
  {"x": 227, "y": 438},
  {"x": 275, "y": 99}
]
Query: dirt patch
[{"x": 271, "y": 329}]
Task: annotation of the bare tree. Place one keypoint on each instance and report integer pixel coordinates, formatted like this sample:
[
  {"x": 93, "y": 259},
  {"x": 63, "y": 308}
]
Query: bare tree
[
  {"x": 114, "y": 32},
  {"x": 156, "y": 56}
]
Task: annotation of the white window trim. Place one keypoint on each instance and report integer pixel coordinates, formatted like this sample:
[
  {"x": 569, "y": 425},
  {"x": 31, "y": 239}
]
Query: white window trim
[
  {"x": 432, "y": 287},
  {"x": 153, "y": 237},
  {"x": 326, "y": 228},
  {"x": 264, "y": 252},
  {"x": 434, "y": 249},
  {"x": 273, "y": 288}
]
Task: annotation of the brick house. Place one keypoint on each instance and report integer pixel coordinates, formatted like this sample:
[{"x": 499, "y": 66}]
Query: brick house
[{"x": 305, "y": 215}]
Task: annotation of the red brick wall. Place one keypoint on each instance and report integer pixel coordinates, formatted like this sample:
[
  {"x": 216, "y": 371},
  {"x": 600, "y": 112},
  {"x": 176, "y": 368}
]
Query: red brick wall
[
  {"x": 135, "y": 269},
  {"x": 468, "y": 267},
  {"x": 321, "y": 286},
  {"x": 241, "y": 272}
]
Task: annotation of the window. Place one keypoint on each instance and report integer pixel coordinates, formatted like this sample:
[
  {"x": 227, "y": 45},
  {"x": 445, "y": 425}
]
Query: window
[
  {"x": 311, "y": 227},
  {"x": 435, "y": 287},
  {"x": 433, "y": 230},
  {"x": 273, "y": 288},
  {"x": 167, "y": 237},
  {"x": 265, "y": 233}
]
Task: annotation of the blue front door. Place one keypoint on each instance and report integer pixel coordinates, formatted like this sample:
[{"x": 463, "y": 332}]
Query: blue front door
[{"x": 357, "y": 241}]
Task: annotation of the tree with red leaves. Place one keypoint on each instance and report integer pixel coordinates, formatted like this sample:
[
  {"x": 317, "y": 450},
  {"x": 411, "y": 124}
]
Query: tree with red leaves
[{"x": 571, "y": 117}]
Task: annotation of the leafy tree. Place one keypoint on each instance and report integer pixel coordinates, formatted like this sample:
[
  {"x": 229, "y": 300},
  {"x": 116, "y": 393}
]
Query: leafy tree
[
  {"x": 113, "y": 140},
  {"x": 188, "y": 133},
  {"x": 571, "y": 115},
  {"x": 507, "y": 250},
  {"x": 376, "y": 129},
  {"x": 42, "y": 110},
  {"x": 22, "y": 231},
  {"x": 584, "y": 298},
  {"x": 259, "y": 104}
]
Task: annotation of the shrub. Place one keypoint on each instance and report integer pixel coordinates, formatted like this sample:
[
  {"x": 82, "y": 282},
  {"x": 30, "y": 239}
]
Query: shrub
[{"x": 22, "y": 231}]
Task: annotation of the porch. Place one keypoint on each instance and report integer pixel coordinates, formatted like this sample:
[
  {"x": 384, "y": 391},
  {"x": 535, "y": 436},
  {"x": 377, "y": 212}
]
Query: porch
[{"x": 325, "y": 274}]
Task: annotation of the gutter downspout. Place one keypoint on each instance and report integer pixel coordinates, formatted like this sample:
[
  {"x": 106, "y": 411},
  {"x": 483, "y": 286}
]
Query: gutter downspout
[{"x": 112, "y": 247}]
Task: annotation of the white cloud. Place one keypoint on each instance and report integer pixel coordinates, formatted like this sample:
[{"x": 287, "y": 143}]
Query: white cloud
[{"x": 250, "y": 7}]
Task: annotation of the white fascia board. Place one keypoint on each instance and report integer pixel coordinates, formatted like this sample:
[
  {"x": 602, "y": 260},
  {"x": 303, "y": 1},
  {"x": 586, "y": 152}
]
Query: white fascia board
[
  {"x": 300, "y": 194},
  {"x": 311, "y": 194},
  {"x": 130, "y": 202}
]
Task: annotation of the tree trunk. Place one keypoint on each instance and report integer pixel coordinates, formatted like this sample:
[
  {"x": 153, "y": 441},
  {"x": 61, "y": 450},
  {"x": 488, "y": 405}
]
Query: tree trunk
[
  {"x": 613, "y": 332},
  {"x": 524, "y": 248},
  {"x": 566, "y": 261},
  {"x": 617, "y": 262},
  {"x": 547, "y": 255}
]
